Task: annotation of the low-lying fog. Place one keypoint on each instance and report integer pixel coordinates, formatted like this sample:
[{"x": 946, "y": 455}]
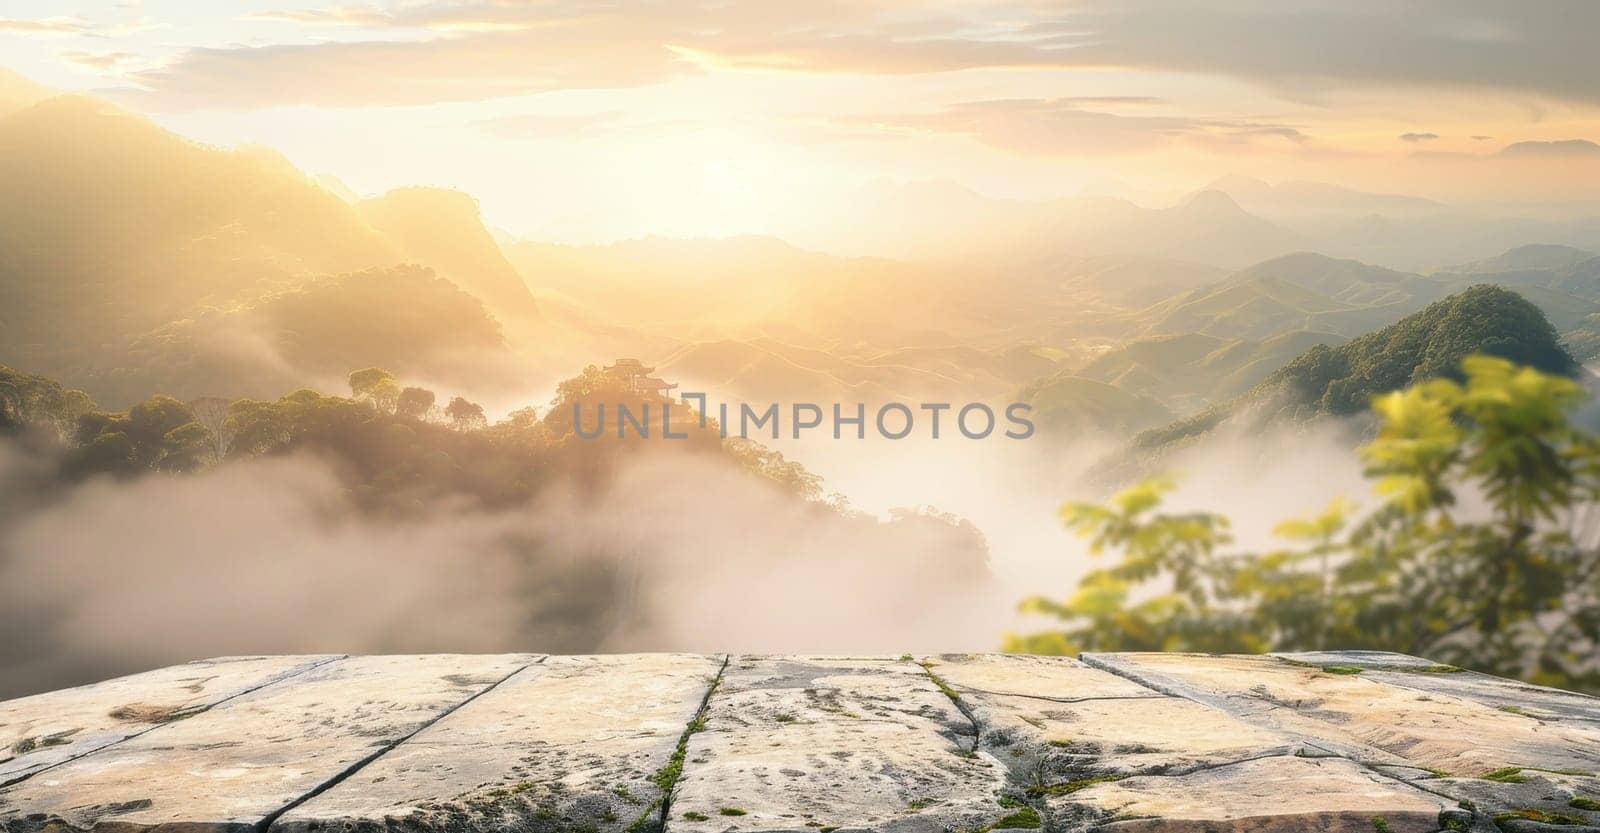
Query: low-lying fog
[{"x": 269, "y": 555}]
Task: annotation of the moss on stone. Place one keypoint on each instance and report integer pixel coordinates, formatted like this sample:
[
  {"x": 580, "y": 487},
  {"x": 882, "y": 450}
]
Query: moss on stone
[{"x": 1540, "y": 816}]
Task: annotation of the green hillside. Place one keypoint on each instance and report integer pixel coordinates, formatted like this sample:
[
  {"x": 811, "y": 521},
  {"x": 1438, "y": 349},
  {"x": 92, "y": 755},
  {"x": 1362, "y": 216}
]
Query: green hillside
[
  {"x": 1194, "y": 370},
  {"x": 1069, "y": 405},
  {"x": 1346, "y": 281},
  {"x": 1341, "y": 380}
]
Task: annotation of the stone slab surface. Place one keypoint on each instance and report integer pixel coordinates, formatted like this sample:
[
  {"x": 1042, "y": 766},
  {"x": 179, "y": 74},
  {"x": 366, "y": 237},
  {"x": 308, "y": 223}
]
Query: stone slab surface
[
  {"x": 46, "y": 730},
  {"x": 1054, "y": 720},
  {"x": 1287, "y": 794},
  {"x": 794, "y": 743},
  {"x": 1438, "y": 729},
  {"x": 246, "y": 760},
  {"x": 571, "y": 741},
  {"x": 655, "y": 743},
  {"x": 1542, "y": 702}
]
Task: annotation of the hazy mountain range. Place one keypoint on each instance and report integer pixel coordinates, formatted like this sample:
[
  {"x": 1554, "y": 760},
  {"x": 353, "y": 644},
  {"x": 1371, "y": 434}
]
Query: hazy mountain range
[{"x": 132, "y": 259}]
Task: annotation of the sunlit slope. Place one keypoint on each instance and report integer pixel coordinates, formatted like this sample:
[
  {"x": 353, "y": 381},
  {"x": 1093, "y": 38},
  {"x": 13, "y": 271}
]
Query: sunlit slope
[
  {"x": 121, "y": 224},
  {"x": 750, "y": 286},
  {"x": 758, "y": 317},
  {"x": 1303, "y": 291},
  {"x": 318, "y": 331},
  {"x": 1193, "y": 370},
  {"x": 17, "y": 92},
  {"x": 767, "y": 369},
  {"x": 1127, "y": 281},
  {"x": 135, "y": 258},
  {"x": 1069, "y": 406},
  {"x": 754, "y": 315},
  {"x": 442, "y": 229}
]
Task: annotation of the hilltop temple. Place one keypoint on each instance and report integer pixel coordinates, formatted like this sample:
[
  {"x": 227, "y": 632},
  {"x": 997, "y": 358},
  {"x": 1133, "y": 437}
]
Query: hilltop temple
[{"x": 637, "y": 379}]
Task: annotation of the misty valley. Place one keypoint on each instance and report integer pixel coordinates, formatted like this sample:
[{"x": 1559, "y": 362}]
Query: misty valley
[{"x": 246, "y": 410}]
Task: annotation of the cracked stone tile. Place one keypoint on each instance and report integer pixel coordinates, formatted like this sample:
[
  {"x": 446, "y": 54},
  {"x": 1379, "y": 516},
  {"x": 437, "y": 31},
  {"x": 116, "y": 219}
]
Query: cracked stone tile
[
  {"x": 1565, "y": 799},
  {"x": 803, "y": 744},
  {"x": 1024, "y": 675},
  {"x": 1362, "y": 715},
  {"x": 1265, "y": 795},
  {"x": 45, "y": 730},
  {"x": 450, "y": 744},
  {"x": 1540, "y": 702},
  {"x": 1054, "y": 720},
  {"x": 572, "y": 743},
  {"x": 239, "y": 763}
]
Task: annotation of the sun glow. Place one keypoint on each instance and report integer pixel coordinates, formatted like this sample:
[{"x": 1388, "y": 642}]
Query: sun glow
[{"x": 712, "y": 183}]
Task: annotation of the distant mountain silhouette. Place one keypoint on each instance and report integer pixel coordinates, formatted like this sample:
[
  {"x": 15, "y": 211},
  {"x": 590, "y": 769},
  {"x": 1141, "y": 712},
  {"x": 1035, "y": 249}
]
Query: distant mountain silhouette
[
  {"x": 922, "y": 220},
  {"x": 1296, "y": 199},
  {"x": 1532, "y": 256}
]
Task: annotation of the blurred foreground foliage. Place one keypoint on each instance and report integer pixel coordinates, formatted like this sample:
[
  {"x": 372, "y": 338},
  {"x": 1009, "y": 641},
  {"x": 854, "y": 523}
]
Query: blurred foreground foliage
[{"x": 1482, "y": 551}]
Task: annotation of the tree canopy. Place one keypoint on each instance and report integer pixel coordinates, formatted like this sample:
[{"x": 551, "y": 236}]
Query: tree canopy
[{"x": 1511, "y": 587}]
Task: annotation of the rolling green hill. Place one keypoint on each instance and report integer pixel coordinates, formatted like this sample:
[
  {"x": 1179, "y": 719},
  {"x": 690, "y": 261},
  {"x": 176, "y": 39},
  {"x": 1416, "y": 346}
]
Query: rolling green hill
[
  {"x": 1067, "y": 406},
  {"x": 1562, "y": 281},
  {"x": 1340, "y": 380},
  {"x": 1191, "y": 371}
]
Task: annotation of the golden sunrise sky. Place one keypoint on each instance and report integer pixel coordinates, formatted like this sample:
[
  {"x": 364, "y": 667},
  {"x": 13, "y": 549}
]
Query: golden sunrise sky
[{"x": 574, "y": 120}]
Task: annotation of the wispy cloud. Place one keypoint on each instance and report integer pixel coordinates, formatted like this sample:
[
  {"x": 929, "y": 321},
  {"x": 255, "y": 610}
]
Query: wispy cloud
[
  {"x": 437, "y": 17},
  {"x": 44, "y": 27},
  {"x": 100, "y": 61},
  {"x": 1061, "y": 126},
  {"x": 76, "y": 27},
  {"x": 469, "y": 50},
  {"x": 542, "y": 126},
  {"x": 466, "y": 51},
  {"x": 1418, "y": 137},
  {"x": 1561, "y": 149}
]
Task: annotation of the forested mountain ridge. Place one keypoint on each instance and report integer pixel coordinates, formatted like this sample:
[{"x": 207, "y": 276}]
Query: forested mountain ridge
[
  {"x": 1340, "y": 380},
  {"x": 134, "y": 259}
]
